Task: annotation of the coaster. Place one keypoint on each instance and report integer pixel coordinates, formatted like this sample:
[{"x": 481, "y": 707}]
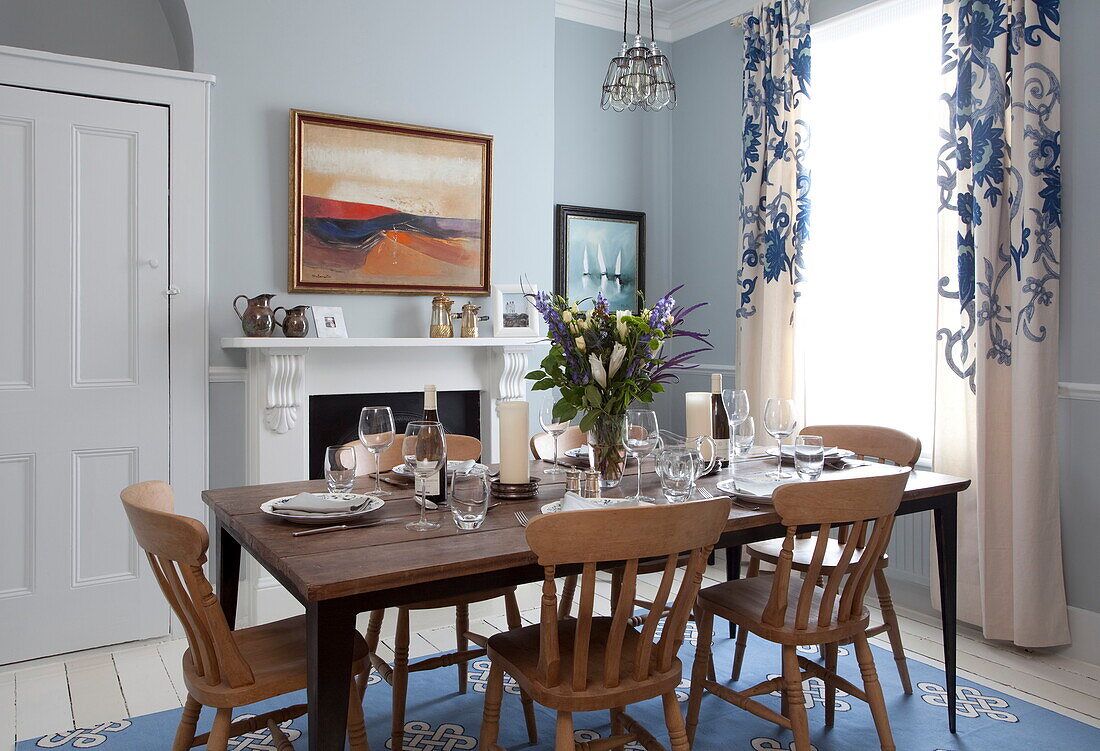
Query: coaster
[{"x": 518, "y": 491}]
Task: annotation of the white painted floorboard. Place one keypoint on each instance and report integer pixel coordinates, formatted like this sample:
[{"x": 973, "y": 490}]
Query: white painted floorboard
[
  {"x": 7, "y": 711},
  {"x": 94, "y": 690},
  {"x": 42, "y": 702},
  {"x": 146, "y": 686}
]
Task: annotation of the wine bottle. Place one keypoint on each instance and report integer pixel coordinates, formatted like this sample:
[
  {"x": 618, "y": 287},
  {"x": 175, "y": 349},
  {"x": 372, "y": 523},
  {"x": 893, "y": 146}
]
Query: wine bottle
[
  {"x": 435, "y": 486},
  {"x": 719, "y": 421}
]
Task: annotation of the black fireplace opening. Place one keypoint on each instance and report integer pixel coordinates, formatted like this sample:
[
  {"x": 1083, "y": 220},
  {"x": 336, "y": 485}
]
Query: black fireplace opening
[{"x": 334, "y": 418}]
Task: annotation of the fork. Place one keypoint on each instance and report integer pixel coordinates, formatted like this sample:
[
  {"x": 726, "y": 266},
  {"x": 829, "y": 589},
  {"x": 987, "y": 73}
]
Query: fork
[{"x": 521, "y": 518}]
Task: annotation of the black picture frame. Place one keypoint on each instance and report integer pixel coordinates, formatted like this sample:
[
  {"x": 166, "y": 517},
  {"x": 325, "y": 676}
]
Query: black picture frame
[{"x": 562, "y": 215}]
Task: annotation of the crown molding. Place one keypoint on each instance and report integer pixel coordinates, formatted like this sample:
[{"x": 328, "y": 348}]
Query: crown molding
[{"x": 683, "y": 20}]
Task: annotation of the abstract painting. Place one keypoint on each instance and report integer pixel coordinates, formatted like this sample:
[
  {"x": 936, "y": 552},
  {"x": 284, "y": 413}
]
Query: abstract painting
[
  {"x": 600, "y": 251},
  {"x": 387, "y": 208}
]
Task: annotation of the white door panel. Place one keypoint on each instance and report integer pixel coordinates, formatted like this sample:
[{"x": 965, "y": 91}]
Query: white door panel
[{"x": 83, "y": 366}]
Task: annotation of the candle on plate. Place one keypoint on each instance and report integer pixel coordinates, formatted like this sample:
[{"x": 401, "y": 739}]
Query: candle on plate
[
  {"x": 513, "y": 442},
  {"x": 697, "y": 409}
]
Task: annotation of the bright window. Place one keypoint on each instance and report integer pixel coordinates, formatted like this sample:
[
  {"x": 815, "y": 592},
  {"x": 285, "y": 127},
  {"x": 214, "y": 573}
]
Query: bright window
[{"x": 867, "y": 319}]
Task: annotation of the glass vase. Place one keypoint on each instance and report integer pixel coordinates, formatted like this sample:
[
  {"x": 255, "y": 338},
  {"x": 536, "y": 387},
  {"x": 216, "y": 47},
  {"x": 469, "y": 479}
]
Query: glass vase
[{"x": 607, "y": 449}]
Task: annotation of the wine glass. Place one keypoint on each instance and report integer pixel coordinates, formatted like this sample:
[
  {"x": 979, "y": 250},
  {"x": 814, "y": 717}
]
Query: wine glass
[
  {"x": 642, "y": 438},
  {"x": 425, "y": 450},
  {"x": 780, "y": 420},
  {"x": 376, "y": 433},
  {"x": 555, "y": 427},
  {"x": 736, "y": 402}
]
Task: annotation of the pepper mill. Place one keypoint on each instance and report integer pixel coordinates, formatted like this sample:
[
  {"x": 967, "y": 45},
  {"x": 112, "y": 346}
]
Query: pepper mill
[
  {"x": 470, "y": 319},
  {"x": 590, "y": 485},
  {"x": 440, "y": 327}
]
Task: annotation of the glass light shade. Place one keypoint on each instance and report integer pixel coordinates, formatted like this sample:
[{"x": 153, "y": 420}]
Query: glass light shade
[
  {"x": 664, "y": 86},
  {"x": 640, "y": 76}
]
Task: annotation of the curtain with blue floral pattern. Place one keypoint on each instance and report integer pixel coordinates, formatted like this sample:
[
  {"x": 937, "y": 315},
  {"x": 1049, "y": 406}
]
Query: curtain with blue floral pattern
[
  {"x": 775, "y": 188},
  {"x": 997, "y": 385}
]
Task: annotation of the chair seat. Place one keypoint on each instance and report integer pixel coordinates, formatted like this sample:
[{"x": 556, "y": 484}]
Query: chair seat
[
  {"x": 742, "y": 601},
  {"x": 276, "y": 652},
  {"x": 517, "y": 652},
  {"x": 768, "y": 551}
]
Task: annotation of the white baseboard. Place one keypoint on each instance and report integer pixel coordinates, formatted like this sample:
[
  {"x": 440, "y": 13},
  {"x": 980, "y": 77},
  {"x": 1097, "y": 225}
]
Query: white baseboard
[{"x": 1084, "y": 629}]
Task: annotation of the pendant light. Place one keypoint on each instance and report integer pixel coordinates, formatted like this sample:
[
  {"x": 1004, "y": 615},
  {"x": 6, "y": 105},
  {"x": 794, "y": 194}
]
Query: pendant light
[{"x": 639, "y": 76}]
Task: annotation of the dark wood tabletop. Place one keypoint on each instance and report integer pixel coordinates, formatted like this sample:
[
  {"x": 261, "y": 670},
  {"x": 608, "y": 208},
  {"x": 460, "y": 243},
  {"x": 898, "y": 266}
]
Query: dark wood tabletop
[{"x": 355, "y": 561}]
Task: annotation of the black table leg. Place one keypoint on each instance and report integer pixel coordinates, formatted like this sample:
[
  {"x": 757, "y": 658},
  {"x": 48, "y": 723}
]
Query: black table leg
[
  {"x": 947, "y": 532},
  {"x": 227, "y": 554},
  {"x": 733, "y": 571},
  {"x": 329, "y": 627}
]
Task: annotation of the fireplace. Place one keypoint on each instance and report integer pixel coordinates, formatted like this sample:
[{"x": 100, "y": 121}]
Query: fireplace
[{"x": 334, "y": 418}]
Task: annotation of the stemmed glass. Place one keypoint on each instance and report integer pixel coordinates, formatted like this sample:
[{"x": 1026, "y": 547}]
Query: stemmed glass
[
  {"x": 555, "y": 428},
  {"x": 780, "y": 420},
  {"x": 736, "y": 402},
  {"x": 425, "y": 450},
  {"x": 376, "y": 433},
  {"x": 642, "y": 438}
]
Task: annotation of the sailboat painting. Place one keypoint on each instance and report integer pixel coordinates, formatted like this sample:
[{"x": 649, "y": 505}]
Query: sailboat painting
[
  {"x": 600, "y": 251},
  {"x": 387, "y": 208}
]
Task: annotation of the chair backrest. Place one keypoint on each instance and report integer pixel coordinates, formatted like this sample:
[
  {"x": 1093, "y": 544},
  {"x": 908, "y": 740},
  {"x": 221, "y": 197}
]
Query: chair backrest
[
  {"x": 460, "y": 448},
  {"x": 627, "y": 535},
  {"x": 871, "y": 442},
  {"x": 176, "y": 547},
  {"x": 542, "y": 444},
  {"x": 868, "y": 504}
]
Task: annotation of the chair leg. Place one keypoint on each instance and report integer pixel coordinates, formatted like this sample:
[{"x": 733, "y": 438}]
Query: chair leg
[
  {"x": 357, "y": 725},
  {"x": 511, "y": 613},
  {"x": 743, "y": 633},
  {"x": 674, "y": 721},
  {"x": 874, "y": 692},
  {"x": 796, "y": 707},
  {"x": 617, "y": 720},
  {"x": 705, "y": 628},
  {"x": 462, "y": 625},
  {"x": 278, "y": 737},
  {"x": 400, "y": 680},
  {"x": 565, "y": 602},
  {"x": 185, "y": 733},
  {"x": 490, "y": 716},
  {"x": 830, "y": 687},
  {"x": 219, "y": 734},
  {"x": 374, "y": 629},
  {"x": 893, "y": 632},
  {"x": 564, "y": 740}
]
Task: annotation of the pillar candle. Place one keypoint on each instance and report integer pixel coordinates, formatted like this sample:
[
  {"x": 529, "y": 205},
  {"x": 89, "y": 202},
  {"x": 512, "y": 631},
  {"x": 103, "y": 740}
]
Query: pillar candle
[
  {"x": 697, "y": 409},
  {"x": 514, "y": 467}
]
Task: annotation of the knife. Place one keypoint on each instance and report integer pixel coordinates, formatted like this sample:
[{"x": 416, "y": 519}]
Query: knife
[{"x": 322, "y": 530}]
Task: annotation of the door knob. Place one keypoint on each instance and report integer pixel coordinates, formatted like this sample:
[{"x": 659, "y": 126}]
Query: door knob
[
  {"x": 153, "y": 263},
  {"x": 172, "y": 291}
]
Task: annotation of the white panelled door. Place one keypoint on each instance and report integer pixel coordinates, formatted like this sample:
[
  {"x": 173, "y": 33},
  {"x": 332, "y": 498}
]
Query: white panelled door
[{"x": 83, "y": 366}]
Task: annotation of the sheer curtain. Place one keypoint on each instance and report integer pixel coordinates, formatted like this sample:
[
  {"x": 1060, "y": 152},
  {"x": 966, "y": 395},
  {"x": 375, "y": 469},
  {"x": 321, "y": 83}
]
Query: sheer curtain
[{"x": 867, "y": 335}]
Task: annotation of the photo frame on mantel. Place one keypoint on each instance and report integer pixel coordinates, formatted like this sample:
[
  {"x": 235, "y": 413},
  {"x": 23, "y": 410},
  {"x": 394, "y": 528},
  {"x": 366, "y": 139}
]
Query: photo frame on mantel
[
  {"x": 599, "y": 250},
  {"x": 387, "y": 208},
  {"x": 514, "y": 311}
]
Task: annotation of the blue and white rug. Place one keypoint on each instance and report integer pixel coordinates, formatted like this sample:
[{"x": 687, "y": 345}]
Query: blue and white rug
[{"x": 440, "y": 719}]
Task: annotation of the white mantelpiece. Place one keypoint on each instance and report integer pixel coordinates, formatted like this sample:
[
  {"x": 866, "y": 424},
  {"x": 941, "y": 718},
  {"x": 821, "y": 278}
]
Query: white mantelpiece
[{"x": 284, "y": 373}]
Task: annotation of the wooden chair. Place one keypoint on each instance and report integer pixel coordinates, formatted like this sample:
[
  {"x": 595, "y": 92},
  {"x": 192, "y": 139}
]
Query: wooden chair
[
  {"x": 223, "y": 669},
  {"x": 590, "y": 663},
  {"x": 799, "y": 612},
  {"x": 868, "y": 442},
  {"x": 542, "y": 444},
  {"x": 460, "y": 448}
]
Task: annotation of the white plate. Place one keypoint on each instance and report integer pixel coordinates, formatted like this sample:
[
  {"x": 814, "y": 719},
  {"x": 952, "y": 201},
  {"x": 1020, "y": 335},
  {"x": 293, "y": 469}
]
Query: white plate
[
  {"x": 372, "y": 504},
  {"x": 555, "y": 506},
  {"x": 403, "y": 469},
  {"x": 728, "y": 486},
  {"x": 831, "y": 452},
  {"x": 581, "y": 453}
]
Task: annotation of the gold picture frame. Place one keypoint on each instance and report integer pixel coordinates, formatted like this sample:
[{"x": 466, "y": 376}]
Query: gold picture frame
[{"x": 379, "y": 207}]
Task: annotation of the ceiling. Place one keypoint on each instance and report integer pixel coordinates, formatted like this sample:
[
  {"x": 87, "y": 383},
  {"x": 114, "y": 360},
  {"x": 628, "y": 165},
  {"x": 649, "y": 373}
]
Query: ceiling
[{"x": 673, "y": 19}]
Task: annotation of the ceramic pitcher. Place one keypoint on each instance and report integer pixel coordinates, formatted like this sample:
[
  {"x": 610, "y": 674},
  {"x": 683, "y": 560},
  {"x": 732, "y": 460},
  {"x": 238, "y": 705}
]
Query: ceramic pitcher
[
  {"x": 258, "y": 319},
  {"x": 295, "y": 324}
]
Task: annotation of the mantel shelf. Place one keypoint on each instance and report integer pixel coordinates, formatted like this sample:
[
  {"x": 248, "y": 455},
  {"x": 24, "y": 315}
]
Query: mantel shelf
[{"x": 273, "y": 343}]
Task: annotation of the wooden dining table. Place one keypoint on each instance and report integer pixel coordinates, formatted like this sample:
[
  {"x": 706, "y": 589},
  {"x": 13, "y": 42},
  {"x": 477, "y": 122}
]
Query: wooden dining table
[{"x": 338, "y": 575}]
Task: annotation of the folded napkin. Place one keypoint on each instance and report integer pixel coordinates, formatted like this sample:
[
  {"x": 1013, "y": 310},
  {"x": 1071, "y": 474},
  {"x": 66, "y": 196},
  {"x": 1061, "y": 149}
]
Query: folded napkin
[
  {"x": 760, "y": 485},
  {"x": 574, "y": 502},
  {"x": 314, "y": 504}
]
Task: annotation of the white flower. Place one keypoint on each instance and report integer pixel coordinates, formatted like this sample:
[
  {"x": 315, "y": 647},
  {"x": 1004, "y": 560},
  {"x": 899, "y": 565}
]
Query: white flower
[
  {"x": 621, "y": 313},
  {"x": 670, "y": 319},
  {"x": 620, "y": 329},
  {"x": 618, "y": 353},
  {"x": 579, "y": 341},
  {"x": 598, "y": 372},
  {"x": 567, "y": 315}
]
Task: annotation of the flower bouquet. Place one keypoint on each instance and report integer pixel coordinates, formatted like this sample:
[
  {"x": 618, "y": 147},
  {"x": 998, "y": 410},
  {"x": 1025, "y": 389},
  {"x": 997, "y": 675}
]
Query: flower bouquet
[{"x": 603, "y": 361}]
